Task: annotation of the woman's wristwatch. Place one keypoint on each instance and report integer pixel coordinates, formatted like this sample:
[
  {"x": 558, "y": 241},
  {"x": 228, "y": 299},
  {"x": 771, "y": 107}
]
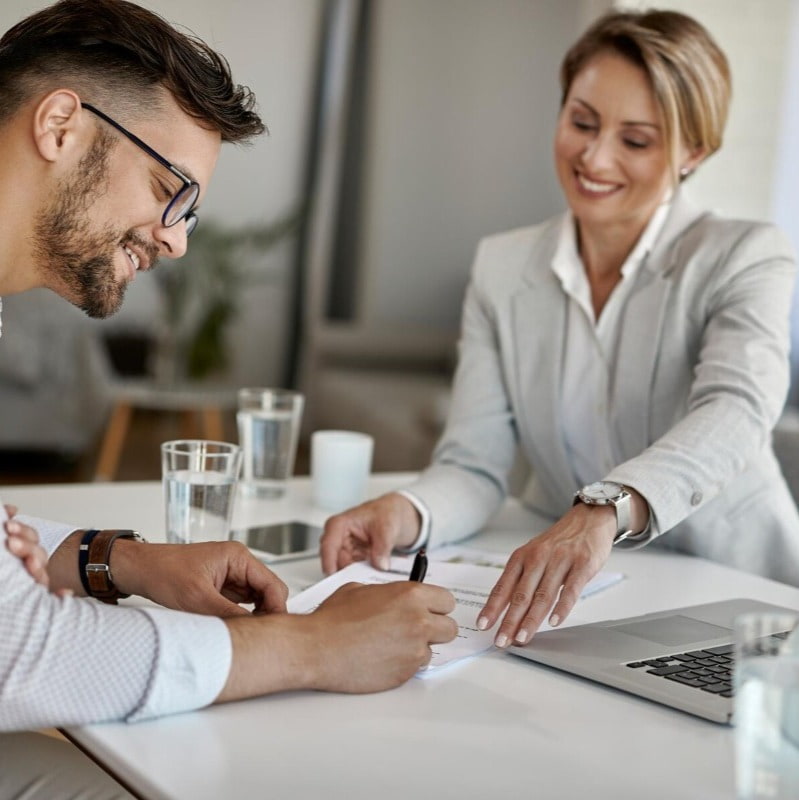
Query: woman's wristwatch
[
  {"x": 94, "y": 558},
  {"x": 608, "y": 493}
]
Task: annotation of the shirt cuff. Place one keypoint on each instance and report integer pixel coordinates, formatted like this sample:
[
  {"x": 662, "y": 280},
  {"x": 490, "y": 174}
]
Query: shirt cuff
[
  {"x": 424, "y": 528},
  {"x": 192, "y": 666},
  {"x": 639, "y": 539},
  {"x": 51, "y": 534}
]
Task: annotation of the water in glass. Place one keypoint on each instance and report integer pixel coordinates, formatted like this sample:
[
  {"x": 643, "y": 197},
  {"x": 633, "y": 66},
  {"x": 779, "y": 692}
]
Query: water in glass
[
  {"x": 269, "y": 440},
  {"x": 198, "y": 506},
  {"x": 767, "y": 728}
]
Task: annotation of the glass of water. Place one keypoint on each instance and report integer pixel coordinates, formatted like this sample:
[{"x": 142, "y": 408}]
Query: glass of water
[
  {"x": 269, "y": 427},
  {"x": 767, "y": 706},
  {"x": 199, "y": 487}
]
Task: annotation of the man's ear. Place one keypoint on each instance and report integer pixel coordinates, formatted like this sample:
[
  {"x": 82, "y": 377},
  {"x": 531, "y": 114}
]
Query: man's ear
[{"x": 56, "y": 123}]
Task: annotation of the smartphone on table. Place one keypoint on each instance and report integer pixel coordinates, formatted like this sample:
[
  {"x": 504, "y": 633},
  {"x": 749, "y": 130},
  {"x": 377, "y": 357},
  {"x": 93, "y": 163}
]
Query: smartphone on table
[{"x": 281, "y": 541}]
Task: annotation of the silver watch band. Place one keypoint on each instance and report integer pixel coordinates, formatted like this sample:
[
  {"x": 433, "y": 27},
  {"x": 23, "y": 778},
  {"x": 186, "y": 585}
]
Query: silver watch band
[
  {"x": 623, "y": 516},
  {"x": 622, "y": 503}
]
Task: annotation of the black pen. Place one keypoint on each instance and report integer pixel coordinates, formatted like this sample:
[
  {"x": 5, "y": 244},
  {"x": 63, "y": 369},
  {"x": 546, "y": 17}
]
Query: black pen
[{"x": 419, "y": 568}]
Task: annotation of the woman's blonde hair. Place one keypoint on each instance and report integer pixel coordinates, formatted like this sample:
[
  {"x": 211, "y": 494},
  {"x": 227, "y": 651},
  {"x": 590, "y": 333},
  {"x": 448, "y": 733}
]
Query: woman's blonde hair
[{"x": 689, "y": 73}]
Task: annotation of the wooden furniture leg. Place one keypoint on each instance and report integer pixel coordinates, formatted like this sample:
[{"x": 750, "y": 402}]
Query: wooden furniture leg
[
  {"x": 212, "y": 424},
  {"x": 113, "y": 440}
]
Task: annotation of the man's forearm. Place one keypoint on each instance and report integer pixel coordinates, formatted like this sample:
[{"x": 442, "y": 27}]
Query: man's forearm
[
  {"x": 274, "y": 653},
  {"x": 63, "y": 565}
]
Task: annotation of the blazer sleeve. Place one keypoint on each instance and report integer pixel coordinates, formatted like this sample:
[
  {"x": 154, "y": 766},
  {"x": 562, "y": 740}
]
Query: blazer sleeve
[{"x": 740, "y": 379}]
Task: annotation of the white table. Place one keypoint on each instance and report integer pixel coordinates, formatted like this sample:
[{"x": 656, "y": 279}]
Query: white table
[{"x": 495, "y": 726}]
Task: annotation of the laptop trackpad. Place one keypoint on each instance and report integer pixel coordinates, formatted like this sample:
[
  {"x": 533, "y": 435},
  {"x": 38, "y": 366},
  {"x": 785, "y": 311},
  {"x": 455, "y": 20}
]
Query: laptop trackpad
[{"x": 673, "y": 631}]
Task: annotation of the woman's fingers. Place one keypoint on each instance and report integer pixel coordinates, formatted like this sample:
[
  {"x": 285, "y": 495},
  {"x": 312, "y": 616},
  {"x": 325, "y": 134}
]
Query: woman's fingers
[
  {"x": 501, "y": 594},
  {"x": 521, "y": 623},
  {"x": 544, "y": 578}
]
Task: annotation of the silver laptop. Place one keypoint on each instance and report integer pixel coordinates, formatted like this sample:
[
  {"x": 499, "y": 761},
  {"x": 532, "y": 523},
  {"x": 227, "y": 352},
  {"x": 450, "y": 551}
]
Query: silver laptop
[{"x": 681, "y": 657}]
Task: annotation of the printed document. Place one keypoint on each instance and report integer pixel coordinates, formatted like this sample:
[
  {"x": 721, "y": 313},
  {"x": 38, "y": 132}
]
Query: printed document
[{"x": 470, "y": 583}]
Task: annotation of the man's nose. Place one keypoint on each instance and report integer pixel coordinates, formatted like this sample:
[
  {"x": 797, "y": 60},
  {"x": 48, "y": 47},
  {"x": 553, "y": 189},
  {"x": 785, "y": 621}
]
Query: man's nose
[{"x": 172, "y": 241}]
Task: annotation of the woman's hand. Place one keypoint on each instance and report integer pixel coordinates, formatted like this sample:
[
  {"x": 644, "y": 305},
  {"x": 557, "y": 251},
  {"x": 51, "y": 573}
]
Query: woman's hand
[
  {"x": 551, "y": 569},
  {"x": 369, "y": 532}
]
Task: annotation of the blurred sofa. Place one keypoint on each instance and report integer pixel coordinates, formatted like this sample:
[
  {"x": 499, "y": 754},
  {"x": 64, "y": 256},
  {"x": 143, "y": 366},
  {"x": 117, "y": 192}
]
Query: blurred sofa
[{"x": 54, "y": 376}]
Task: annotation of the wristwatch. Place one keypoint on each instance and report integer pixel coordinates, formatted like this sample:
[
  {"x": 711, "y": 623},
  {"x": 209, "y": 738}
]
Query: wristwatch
[
  {"x": 94, "y": 556},
  {"x": 608, "y": 493}
]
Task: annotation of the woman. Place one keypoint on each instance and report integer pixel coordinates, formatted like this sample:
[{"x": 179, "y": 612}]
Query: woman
[{"x": 636, "y": 347}]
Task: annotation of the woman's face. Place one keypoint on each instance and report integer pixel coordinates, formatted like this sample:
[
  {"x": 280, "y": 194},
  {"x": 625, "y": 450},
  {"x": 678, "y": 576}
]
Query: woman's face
[{"x": 611, "y": 155}]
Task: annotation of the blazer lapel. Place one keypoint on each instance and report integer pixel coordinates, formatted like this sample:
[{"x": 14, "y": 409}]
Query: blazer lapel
[
  {"x": 539, "y": 326},
  {"x": 642, "y": 329}
]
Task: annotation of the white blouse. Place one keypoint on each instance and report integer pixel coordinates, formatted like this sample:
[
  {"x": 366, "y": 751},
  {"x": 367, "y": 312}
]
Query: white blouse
[{"x": 589, "y": 351}]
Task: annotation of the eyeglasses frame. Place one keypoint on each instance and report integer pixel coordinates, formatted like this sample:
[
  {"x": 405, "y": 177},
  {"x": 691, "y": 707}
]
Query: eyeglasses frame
[{"x": 189, "y": 216}]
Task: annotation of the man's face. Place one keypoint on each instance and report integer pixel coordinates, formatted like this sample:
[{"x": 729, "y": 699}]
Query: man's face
[{"x": 103, "y": 224}]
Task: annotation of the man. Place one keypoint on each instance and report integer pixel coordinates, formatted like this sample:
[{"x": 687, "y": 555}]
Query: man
[{"x": 111, "y": 122}]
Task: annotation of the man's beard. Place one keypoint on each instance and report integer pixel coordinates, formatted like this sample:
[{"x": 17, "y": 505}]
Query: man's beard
[{"x": 77, "y": 260}]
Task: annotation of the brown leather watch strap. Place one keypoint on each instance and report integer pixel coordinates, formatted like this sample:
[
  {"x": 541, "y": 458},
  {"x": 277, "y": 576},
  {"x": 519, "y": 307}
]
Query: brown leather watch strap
[{"x": 98, "y": 571}]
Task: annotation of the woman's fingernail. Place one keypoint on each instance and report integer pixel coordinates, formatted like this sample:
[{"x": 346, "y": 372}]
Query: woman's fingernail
[
  {"x": 522, "y": 636},
  {"x": 482, "y": 623},
  {"x": 13, "y": 527},
  {"x": 501, "y": 640},
  {"x": 383, "y": 563},
  {"x": 15, "y": 545},
  {"x": 554, "y": 620}
]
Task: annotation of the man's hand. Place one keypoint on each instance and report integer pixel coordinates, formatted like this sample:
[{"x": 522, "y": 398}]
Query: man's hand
[
  {"x": 361, "y": 639},
  {"x": 551, "y": 569},
  {"x": 205, "y": 578},
  {"x": 376, "y": 637},
  {"x": 369, "y": 532}
]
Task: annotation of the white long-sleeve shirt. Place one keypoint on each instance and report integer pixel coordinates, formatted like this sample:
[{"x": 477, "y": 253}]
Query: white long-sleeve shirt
[{"x": 73, "y": 661}]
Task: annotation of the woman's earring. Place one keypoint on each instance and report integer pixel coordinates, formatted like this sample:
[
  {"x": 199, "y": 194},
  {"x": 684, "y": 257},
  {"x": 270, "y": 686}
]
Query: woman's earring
[{"x": 685, "y": 172}]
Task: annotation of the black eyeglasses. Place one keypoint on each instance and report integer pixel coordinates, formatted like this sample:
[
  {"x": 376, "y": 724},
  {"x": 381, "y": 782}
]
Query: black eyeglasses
[{"x": 181, "y": 205}]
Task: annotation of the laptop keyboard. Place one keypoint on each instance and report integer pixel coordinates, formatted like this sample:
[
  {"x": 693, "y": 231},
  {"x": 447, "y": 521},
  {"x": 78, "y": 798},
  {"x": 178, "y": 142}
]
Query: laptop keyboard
[{"x": 710, "y": 670}]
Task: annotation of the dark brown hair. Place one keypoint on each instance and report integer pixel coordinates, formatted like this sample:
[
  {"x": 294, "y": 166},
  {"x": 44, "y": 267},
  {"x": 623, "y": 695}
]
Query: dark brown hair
[
  {"x": 119, "y": 55},
  {"x": 687, "y": 70}
]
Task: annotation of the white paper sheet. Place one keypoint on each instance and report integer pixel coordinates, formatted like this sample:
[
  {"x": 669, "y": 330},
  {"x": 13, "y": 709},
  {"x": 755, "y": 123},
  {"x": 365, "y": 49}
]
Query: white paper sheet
[
  {"x": 455, "y": 554},
  {"x": 470, "y": 584}
]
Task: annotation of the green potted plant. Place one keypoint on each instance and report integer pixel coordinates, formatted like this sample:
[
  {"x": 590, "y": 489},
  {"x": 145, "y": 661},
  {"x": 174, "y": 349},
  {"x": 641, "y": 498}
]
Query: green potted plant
[{"x": 202, "y": 292}]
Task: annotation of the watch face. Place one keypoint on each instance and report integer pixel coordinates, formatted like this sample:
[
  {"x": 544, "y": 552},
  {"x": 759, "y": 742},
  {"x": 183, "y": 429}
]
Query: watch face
[{"x": 602, "y": 490}]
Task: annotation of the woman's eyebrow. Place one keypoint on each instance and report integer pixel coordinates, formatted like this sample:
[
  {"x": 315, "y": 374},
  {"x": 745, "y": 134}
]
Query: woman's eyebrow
[{"x": 638, "y": 123}]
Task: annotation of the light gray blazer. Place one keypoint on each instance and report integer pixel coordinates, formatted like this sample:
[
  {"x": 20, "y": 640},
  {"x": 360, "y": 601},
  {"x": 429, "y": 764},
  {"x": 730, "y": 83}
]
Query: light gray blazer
[{"x": 699, "y": 381}]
